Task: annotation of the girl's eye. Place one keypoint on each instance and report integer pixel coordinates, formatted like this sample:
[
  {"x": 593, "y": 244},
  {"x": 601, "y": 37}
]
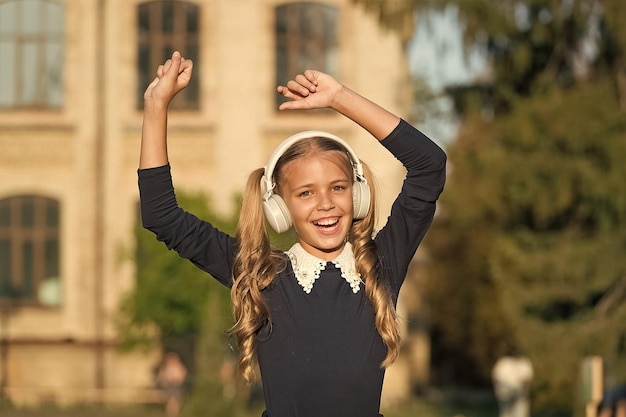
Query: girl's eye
[
  {"x": 339, "y": 188},
  {"x": 304, "y": 194}
]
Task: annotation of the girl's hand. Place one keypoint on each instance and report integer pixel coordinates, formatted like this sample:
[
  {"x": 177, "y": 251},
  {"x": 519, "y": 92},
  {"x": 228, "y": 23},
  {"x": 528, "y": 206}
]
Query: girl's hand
[
  {"x": 173, "y": 76},
  {"x": 310, "y": 90}
]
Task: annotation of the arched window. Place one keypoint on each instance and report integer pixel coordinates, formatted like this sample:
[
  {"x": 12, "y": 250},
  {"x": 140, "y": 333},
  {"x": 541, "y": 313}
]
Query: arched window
[
  {"x": 306, "y": 37},
  {"x": 31, "y": 47},
  {"x": 166, "y": 26},
  {"x": 29, "y": 249}
]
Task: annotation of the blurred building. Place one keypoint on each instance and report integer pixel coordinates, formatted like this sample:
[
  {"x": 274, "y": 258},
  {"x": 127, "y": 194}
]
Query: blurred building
[{"x": 71, "y": 84}]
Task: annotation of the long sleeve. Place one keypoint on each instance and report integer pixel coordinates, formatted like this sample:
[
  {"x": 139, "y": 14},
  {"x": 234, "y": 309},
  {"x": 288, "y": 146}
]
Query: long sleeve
[
  {"x": 197, "y": 240},
  {"x": 413, "y": 210}
]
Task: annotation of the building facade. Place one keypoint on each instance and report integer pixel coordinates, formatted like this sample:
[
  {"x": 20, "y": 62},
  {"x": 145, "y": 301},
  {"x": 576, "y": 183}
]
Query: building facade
[{"x": 71, "y": 87}]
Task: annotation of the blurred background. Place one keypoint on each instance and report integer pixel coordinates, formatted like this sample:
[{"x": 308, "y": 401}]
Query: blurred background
[{"x": 525, "y": 258}]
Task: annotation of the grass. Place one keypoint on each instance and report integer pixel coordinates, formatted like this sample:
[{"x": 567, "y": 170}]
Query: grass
[
  {"x": 422, "y": 408},
  {"x": 83, "y": 411},
  {"x": 415, "y": 408}
]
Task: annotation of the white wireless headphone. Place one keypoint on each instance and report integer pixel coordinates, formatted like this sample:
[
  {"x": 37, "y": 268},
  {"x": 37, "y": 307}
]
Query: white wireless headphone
[{"x": 274, "y": 206}]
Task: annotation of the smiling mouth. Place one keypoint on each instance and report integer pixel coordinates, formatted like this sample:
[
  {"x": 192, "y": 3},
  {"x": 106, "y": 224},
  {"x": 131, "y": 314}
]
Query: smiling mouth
[{"x": 327, "y": 223}]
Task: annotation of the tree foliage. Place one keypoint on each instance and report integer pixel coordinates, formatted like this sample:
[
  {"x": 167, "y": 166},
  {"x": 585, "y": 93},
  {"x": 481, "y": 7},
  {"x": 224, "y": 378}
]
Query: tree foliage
[
  {"x": 528, "y": 244},
  {"x": 530, "y": 237}
]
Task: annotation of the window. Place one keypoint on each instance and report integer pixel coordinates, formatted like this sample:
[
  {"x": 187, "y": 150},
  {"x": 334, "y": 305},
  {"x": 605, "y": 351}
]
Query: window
[
  {"x": 166, "y": 26},
  {"x": 29, "y": 249},
  {"x": 31, "y": 47},
  {"x": 306, "y": 38}
]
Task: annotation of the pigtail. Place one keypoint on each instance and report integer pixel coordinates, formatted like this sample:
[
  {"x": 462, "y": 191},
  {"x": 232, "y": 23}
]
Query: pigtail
[
  {"x": 255, "y": 266},
  {"x": 368, "y": 265}
]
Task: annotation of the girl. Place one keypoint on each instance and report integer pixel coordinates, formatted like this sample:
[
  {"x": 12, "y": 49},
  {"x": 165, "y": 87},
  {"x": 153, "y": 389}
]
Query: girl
[{"x": 320, "y": 319}]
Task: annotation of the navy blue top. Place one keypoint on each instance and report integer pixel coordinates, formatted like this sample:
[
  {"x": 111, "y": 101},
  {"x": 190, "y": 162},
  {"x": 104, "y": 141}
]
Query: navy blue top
[{"x": 323, "y": 354}]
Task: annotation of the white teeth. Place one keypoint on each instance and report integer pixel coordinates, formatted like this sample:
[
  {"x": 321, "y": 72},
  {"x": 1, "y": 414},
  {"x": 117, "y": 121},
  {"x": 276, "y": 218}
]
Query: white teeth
[{"x": 326, "y": 222}]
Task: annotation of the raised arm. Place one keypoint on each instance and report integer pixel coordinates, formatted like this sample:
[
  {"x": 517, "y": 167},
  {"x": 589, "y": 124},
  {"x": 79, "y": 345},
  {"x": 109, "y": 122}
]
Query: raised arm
[
  {"x": 315, "y": 90},
  {"x": 172, "y": 77},
  {"x": 194, "y": 239}
]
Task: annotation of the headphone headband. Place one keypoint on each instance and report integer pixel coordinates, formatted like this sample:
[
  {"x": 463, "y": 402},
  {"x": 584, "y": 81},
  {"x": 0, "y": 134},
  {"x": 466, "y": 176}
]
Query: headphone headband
[
  {"x": 274, "y": 207},
  {"x": 287, "y": 143}
]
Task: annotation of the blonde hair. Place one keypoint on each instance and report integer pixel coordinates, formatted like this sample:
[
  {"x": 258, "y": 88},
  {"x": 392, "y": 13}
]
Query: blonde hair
[{"x": 257, "y": 263}]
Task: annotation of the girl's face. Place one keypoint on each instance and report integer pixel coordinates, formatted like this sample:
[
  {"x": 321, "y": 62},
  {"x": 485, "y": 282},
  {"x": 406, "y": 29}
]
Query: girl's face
[{"x": 317, "y": 190}]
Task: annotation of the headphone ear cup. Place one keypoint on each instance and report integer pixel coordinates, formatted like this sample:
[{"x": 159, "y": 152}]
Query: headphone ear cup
[
  {"x": 277, "y": 214},
  {"x": 360, "y": 199}
]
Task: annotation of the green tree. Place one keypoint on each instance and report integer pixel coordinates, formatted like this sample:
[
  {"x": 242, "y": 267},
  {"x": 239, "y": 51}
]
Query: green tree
[
  {"x": 529, "y": 239},
  {"x": 529, "y": 40},
  {"x": 528, "y": 245}
]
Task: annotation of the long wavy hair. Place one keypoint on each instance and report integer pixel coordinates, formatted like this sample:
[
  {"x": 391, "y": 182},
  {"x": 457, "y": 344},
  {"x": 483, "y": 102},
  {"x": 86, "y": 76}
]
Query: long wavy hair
[{"x": 257, "y": 263}]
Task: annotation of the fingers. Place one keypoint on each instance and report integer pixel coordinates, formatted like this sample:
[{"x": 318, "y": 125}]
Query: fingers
[
  {"x": 172, "y": 66},
  {"x": 175, "y": 66},
  {"x": 297, "y": 101},
  {"x": 287, "y": 93},
  {"x": 312, "y": 76},
  {"x": 186, "y": 67},
  {"x": 300, "y": 86},
  {"x": 309, "y": 90},
  {"x": 298, "y": 89},
  {"x": 294, "y": 90},
  {"x": 291, "y": 105},
  {"x": 308, "y": 82},
  {"x": 172, "y": 76},
  {"x": 180, "y": 65}
]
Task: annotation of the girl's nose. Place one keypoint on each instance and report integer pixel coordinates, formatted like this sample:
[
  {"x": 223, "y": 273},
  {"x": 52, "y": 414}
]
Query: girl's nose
[{"x": 325, "y": 201}]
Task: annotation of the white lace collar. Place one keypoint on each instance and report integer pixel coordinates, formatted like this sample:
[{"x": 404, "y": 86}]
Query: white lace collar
[{"x": 307, "y": 267}]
